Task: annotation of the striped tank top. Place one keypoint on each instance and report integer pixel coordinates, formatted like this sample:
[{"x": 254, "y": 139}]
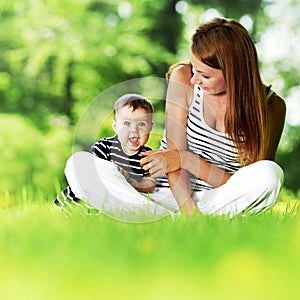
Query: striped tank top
[{"x": 209, "y": 144}]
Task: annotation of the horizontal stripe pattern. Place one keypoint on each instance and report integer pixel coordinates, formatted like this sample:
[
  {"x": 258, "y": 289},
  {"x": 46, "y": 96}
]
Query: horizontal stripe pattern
[
  {"x": 213, "y": 146},
  {"x": 108, "y": 149},
  {"x": 111, "y": 149}
]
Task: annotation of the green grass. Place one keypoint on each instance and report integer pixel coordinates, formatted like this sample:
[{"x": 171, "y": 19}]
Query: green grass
[{"x": 46, "y": 255}]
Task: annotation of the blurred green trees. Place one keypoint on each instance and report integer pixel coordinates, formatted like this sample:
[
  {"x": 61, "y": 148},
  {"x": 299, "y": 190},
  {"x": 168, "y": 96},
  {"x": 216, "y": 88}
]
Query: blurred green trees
[
  {"x": 56, "y": 56},
  {"x": 29, "y": 156}
]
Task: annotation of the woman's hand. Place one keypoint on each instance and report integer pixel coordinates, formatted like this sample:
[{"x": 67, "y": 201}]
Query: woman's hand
[{"x": 159, "y": 162}]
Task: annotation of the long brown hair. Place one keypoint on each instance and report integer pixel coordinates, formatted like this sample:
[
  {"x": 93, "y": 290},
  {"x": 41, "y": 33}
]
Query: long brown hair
[{"x": 226, "y": 45}]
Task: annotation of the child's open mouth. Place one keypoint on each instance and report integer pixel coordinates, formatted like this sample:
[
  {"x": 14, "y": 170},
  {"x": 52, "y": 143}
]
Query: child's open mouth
[{"x": 134, "y": 141}]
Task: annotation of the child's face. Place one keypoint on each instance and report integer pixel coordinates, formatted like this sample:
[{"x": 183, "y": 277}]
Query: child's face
[{"x": 132, "y": 127}]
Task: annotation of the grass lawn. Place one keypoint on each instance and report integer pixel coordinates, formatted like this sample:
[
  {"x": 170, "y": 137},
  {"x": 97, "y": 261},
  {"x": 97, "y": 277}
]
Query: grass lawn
[{"x": 46, "y": 255}]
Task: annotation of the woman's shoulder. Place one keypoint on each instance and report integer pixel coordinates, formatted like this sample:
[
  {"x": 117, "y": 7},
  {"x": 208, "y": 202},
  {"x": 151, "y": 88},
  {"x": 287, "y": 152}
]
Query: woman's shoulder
[{"x": 180, "y": 72}]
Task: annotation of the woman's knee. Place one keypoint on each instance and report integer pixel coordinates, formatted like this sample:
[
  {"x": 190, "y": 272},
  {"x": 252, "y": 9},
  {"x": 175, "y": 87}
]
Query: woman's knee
[
  {"x": 263, "y": 174},
  {"x": 270, "y": 173}
]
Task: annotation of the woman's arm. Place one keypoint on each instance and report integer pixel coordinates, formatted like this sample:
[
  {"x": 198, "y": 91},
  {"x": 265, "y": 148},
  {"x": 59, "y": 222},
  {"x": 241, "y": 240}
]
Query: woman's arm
[
  {"x": 159, "y": 162},
  {"x": 179, "y": 97},
  {"x": 203, "y": 169},
  {"x": 277, "y": 111},
  {"x": 177, "y": 162}
]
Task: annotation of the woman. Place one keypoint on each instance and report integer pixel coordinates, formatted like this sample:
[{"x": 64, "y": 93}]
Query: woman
[
  {"x": 221, "y": 120},
  {"x": 223, "y": 126}
]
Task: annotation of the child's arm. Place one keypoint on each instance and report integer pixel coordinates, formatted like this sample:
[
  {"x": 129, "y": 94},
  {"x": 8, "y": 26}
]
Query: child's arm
[{"x": 146, "y": 185}]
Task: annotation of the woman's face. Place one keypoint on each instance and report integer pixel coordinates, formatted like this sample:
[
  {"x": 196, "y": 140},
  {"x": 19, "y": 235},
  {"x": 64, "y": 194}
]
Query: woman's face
[{"x": 210, "y": 80}]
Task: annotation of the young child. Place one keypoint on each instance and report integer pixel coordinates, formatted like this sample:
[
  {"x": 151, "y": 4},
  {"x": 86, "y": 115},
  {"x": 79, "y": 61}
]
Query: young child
[{"x": 132, "y": 124}]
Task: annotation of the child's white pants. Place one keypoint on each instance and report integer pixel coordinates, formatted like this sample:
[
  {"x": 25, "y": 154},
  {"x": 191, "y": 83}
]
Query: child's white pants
[{"x": 253, "y": 188}]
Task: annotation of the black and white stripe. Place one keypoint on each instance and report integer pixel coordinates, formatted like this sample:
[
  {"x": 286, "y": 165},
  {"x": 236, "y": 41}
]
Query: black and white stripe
[
  {"x": 108, "y": 149},
  {"x": 111, "y": 149},
  {"x": 209, "y": 144}
]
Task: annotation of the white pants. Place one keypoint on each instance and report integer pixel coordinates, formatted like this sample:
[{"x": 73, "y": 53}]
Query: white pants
[{"x": 253, "y": 188}]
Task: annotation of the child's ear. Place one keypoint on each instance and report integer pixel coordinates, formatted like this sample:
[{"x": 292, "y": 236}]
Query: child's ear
[{"x": 114, "y": 125}]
